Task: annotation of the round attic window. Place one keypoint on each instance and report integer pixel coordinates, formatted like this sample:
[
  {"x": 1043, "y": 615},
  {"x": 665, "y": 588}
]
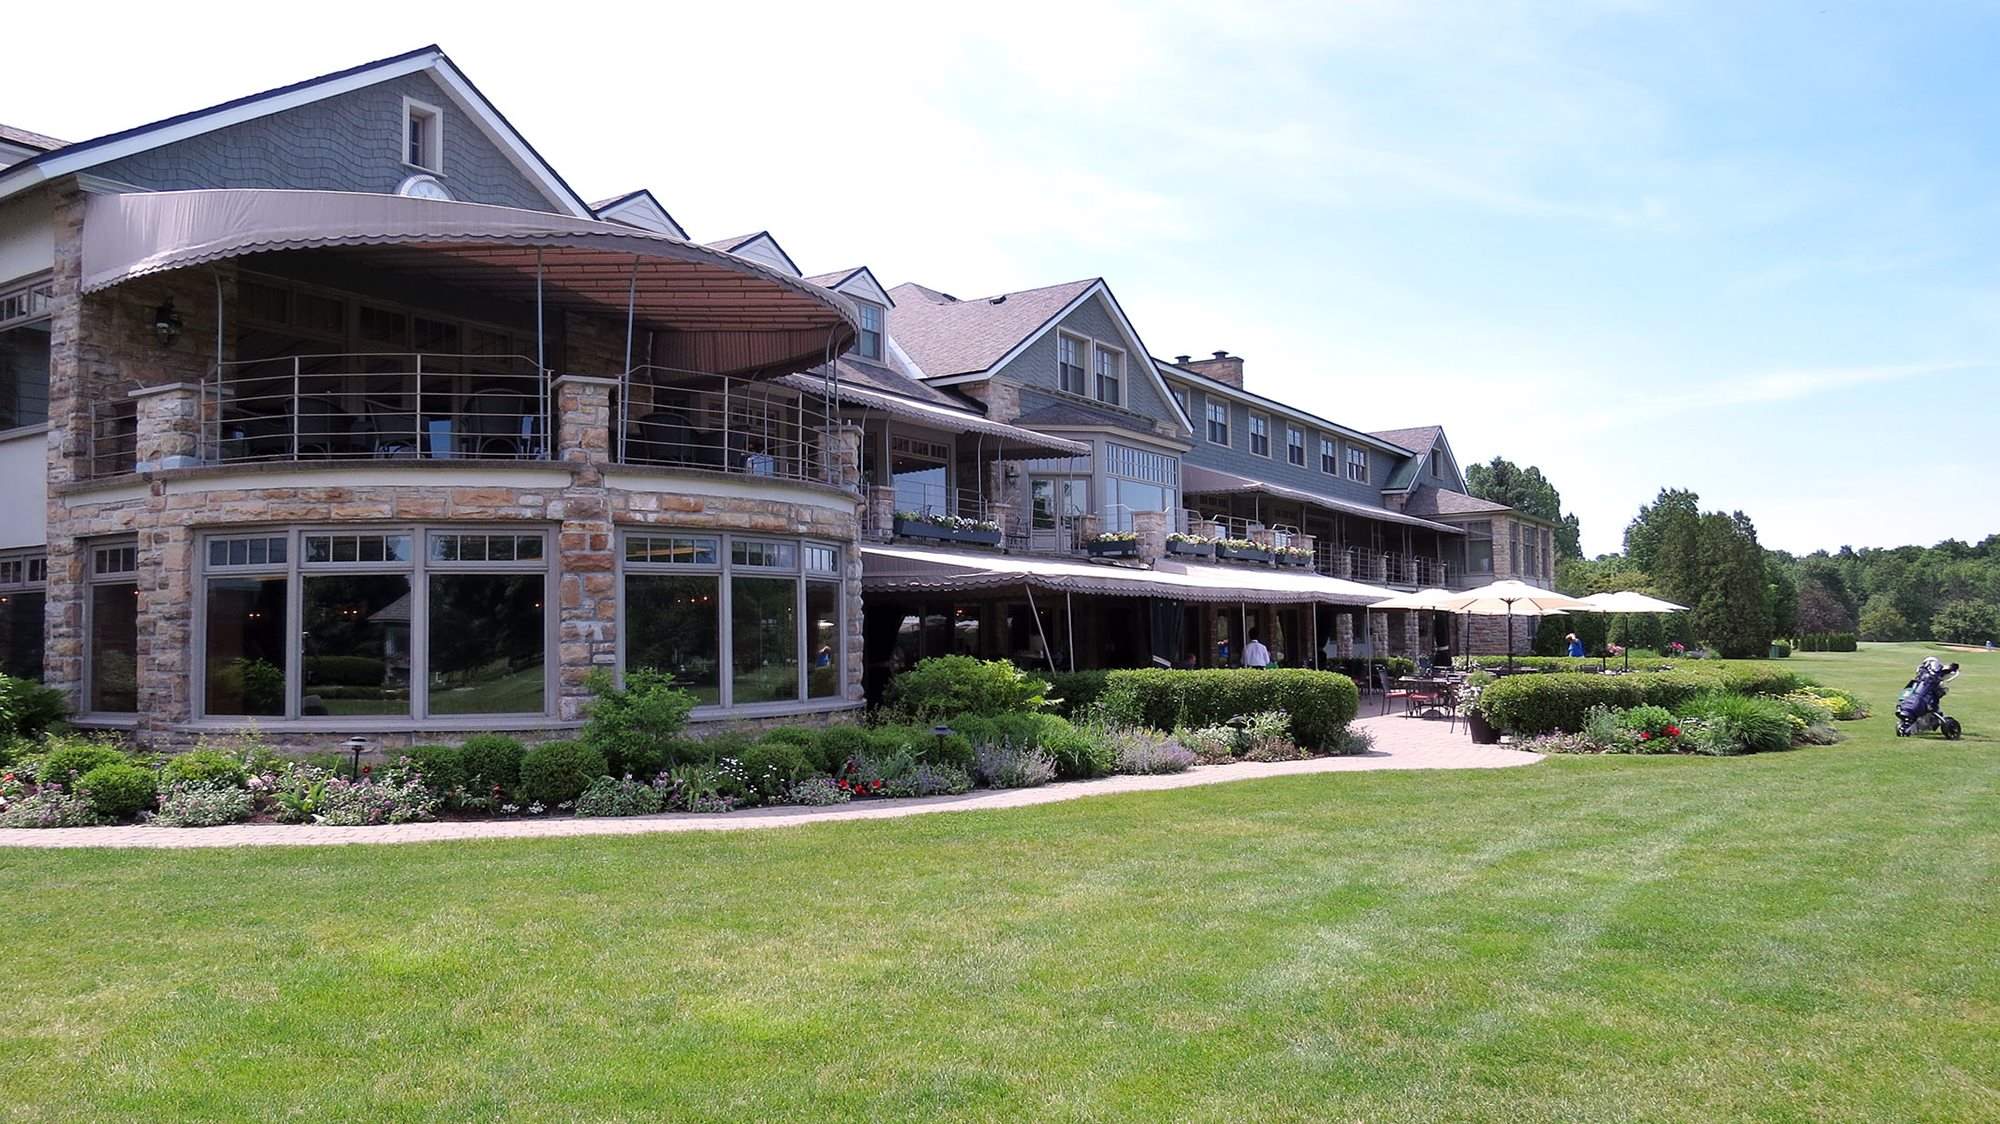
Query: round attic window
[{"x": 424, "y": 187}]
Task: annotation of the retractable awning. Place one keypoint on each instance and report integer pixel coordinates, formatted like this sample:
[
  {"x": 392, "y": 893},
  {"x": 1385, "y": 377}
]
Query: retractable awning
[
  {"x": 904, "y": 569},
  {"x": 722, "y": 313},
  {"x": 1010, "y": 437},
  {"x": 1196, "y": 480}
]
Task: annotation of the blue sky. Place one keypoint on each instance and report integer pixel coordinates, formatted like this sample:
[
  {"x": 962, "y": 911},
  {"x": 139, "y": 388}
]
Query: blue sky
[{"x": 1745, "y": 249}]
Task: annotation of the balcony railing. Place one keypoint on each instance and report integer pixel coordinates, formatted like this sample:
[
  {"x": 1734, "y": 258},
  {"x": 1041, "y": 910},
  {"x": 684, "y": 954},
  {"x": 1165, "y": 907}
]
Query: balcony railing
[
  {"x": 381, "y": 406},
  {"x": 688, "y": 419}
]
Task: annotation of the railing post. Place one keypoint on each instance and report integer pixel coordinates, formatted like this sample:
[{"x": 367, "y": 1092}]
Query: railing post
[{"x": 295, "y": 407}]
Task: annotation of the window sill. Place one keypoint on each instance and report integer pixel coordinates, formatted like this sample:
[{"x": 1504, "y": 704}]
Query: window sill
[
  {"x": 419, "y": 168},
  {"x": 376, "y": 724},
  {"x": 771, "y": 709},
  {"x": 21, "y": 431},
  {"x": 106, "y": 721}
]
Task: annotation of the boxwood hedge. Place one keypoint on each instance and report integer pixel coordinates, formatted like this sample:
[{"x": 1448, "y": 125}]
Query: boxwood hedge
[
  {"x": 1545, "y": 703},
  {"x": 1320, "y": 703}
]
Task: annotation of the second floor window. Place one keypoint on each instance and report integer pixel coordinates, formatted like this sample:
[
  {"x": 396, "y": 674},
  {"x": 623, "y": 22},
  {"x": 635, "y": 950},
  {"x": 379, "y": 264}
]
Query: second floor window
[
  {"x": 24, "y": 355},
  {"x": 1357, "y": 464},
  {"x": 1437, "y": 463},
  {"x": 1218, "y": 423},
  {"x": 1295, "y": 446},
  {"x": 423, "y": 136},
  {"x": 868, "y": 344},
  {"x": 1181, "y": 399},
  {"x": 1107, "y": 377},
  {"x": 1069, "y": 364},
  {"x": 1260, "y": 435},
  {"x": 1479, "y": 548},
  {"x": 1329, "y": 456}
]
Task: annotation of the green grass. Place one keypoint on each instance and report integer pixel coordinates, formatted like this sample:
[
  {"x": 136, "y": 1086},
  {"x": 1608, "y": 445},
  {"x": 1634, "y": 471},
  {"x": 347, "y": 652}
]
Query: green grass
[{"x": 1799, "y": 936}]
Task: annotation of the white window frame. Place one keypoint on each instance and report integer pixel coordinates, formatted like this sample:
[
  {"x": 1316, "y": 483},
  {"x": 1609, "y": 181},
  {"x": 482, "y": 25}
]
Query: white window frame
[
  {"x": 25, "y": 572},
  {"x": 1260, "y": 422},
  {"x": 1180, "y": 394},
  {"x": 94, "y": 577},
  {"x": 1329, "y": 456},
  {"x": 1357, "y": 464},
  {"x": 433, "y": 139},
  {"x": 1295, "y": 446},
  {"x": 1076, "y": 347},
  {"x": 419, "y": 568},
  {"x": 1099, "y": 377},
  {"x": 23, "y": 303},
  {"x": 1217, "y": 414},
  {"x": 880, "y": 331},
  {"x": 725, "y": 568}
]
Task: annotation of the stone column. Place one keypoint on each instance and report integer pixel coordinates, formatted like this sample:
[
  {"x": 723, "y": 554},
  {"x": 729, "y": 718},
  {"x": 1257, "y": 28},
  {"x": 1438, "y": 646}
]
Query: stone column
[
  {"x": 1151, "y": 527},
  {"x": 583, "y": 419},
  {"x": 1209, "y": 529},
  {"x": 1093, "y": 525},
  {"x": 169, "y": 418},
  {"x": 880, "y": 518},
  {"x": 840, "y": 454},
  {"x": 1002, "y": 514},
  {"x": 1307, "y": 543},
  {"x": 1343, "y": 634},
  {"x": 1412, "y": 645},
  {"x": 166, "y": 624}
]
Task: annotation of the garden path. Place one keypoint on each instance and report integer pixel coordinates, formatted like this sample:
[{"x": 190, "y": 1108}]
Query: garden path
[{"x": 1400, "y": 743}]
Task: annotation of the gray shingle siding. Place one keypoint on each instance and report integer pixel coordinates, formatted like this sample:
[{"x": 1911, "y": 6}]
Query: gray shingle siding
[
  {"x": 1236, "y": 457},
  {"x": 349, "y": 142},
  {"x": 1036, "y": 366}
]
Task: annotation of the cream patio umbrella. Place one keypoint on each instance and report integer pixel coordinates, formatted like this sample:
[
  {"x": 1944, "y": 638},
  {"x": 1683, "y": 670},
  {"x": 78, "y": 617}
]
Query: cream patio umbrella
[
  {"x": 1423, "y": 600},
  {"x": 1500, "y": 598},
  {"x": 1629, "y": 601}
]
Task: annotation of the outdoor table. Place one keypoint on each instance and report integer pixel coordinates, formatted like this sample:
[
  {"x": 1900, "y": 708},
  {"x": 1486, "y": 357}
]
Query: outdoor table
[{"x": 1442, "y": 694}]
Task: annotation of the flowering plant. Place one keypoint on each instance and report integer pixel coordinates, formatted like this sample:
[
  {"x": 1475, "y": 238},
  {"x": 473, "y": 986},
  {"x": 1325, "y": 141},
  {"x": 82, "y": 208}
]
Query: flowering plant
[
  {"x": 948, "y": 522},
  {"x": 1117, "y": 536},
  {"x": 1239, "y": 544},
  {"x": 1677, "y": 649},
  {"x": 1294, "y": 552},
  {"x": 1192, "y": 540}
]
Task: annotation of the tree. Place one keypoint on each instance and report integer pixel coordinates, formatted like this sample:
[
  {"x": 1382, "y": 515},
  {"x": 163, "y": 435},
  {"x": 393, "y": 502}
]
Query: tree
[
  {"x": 1530, "y": 493},
  {"x": 1966, "y": 622},
  {"x": 1882, "y": 621},
  {"x": 1733, "y": 611},
  {"x": 1662, "y": 540},
  {"x": 1819, "y": 611},
  {"x": 1781, "y": 594}
]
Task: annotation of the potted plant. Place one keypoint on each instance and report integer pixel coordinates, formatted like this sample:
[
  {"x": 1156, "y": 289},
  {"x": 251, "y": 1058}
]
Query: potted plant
[
  {"x": 946, "y": 528},
  {"x": 1192, "y": 546},
  {"x": 1295, "y": 556},
  {"x": 1241, "y": 550},
  {"x": 1114, "y": 544}
]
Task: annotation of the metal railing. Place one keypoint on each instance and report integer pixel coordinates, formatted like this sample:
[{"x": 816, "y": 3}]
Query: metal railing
[
  {"x": 112, "y": 445},
  {"x": 688, "y": 419},
  {"x": 377, "y": 406}
]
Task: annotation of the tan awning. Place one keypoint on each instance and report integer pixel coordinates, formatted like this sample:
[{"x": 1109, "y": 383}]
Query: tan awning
[
  {"x": 1011, "y": 438},
  {"x": 894, "y": 569},
  {"x": 1196, "y": 480},
  {"x": 725, "y": 314}
]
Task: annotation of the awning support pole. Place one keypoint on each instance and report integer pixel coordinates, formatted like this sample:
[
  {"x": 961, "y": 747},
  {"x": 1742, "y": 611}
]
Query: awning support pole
[
  {"x": 1313, "y": 609},
  {"x": 625, "y": 380},
  {"x": 1036, "y": 613},
  {"x": 1242, "y": 620},
  {"x": 541, "y": 364}
]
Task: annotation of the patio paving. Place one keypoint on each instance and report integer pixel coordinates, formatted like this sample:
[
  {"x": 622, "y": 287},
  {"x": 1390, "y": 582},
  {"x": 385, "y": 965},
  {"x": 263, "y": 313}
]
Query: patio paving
[{"x": 1400, "y": 743}]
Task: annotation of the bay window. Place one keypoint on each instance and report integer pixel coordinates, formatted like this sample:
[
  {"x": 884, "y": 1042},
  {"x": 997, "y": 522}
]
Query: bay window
[{"x": 769, "y": 611}]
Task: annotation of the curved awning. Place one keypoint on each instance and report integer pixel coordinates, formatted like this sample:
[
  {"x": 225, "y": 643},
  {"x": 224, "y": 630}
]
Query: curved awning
[
  {"x": 728, "y": 314},
  {"x": 907, "y": 569},
  {"x": 1196, "y": 480}
]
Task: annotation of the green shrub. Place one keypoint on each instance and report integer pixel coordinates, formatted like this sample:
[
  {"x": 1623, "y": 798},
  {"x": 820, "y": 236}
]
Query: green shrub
[
  {"x": 1846, "y": 706},
  {"x": 709, "y": 748},
  {"x": 1011, "y": 766},
  {"x": 204, "y": 804},
  {"x": 489, "y": 759},
  {"x": 118, "y": 791},
  {"x": 204, "y": 766},
  {"x": 1543, "y": 704},
  {"x": 835, "y": 746},
  {"x": 922, "y": 743},
  {"x": 1072, "y": 693},
  {"x": 1780, "y": 650},
  {"x": 945, "y": 688},
  {"x": 28, "y": 709},
  {"x": 636, "y": 728},
  {"x": 76, "y": 755},
  {"x": 441, "y": 766},
  {"x": 1319, "y": 703},
  {"x": 1732, "y": 724},
  {"x": 609, "y": 796},
  {"x": 553, "y": 773},
  {"x": 771, "y": 768}
]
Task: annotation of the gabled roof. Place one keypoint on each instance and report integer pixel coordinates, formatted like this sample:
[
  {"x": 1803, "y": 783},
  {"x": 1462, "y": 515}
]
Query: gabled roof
[
  {"x": 947, "y": 336},
  {"x": 84, "y": 155},
  {"x": 855, "y": 276},
  {"x": 639, "y": 208},
  {"x": 881, "y": 377},
  {"x": 1428, "y": 499},
  {"x": 22, "y": 138},
  {"x": 743, "y": 244},
  {"x": 1417, "y": 439}
]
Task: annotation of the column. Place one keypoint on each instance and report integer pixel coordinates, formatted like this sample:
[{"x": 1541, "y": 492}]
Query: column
[
  {"x": 1151, "y": 527},
  {"x": 169, "y": 426},
  {"x": 840, "y": 454}
]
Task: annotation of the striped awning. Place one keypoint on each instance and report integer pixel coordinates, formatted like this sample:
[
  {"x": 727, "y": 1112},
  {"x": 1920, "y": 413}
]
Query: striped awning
[{"x": 908, "y": 569}]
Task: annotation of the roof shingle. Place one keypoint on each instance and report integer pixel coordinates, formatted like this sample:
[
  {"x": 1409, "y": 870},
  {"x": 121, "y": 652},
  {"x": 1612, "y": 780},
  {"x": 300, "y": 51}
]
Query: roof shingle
[
  {"x": 944, "y": 336},
  {"x": 1428, "y": 499}
]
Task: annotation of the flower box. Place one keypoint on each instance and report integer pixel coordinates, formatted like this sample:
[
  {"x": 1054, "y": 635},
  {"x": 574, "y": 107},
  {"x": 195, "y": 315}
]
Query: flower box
[
  {"x": 1242, "y": 553},
  {"x": 1191, "y": 549},
  {"x": 1297, "y": 561},
  {"x": 1113, "y": 548},
  {"x": 918, "y": 529}
]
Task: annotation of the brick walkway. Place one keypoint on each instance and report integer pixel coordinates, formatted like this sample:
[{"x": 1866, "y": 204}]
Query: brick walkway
[{"x": 1400, "y": 743}]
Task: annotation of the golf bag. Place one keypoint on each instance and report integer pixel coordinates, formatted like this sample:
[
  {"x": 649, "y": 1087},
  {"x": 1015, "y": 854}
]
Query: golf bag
[{"x": 1920, "y": 710}]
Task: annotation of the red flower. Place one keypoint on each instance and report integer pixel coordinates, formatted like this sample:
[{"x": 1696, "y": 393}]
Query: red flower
[
  {"x": 1673, "y": 731},
  {"x": 1645, "y": 735}
]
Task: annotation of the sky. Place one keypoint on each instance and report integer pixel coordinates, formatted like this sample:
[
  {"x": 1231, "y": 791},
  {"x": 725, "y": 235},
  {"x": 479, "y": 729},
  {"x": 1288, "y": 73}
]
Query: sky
[{"x": 1745, "y": 249}]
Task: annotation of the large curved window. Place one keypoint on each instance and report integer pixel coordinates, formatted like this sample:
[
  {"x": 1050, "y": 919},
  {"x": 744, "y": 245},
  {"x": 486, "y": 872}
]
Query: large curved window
[{"x": 736, "y": 620}]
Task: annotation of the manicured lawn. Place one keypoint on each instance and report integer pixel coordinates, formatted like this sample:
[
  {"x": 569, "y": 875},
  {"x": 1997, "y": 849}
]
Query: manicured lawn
[{"x": 1803, "y": 936}]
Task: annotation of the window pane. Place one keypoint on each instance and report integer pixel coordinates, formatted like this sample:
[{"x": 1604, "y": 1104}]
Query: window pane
[
  {"x": 21, "y": 633},
  {"x": 823, "y": 634},
  {"x": 488, "y": 644},
  {"x": 245, "y": 663},
  {"x": 114, "y": 648},
  {"x": 672, "y": 624},
  {"x": 24, "y": 375},
  {"x": 355, "y": 640},
  {"x": 765, "y": 657}
]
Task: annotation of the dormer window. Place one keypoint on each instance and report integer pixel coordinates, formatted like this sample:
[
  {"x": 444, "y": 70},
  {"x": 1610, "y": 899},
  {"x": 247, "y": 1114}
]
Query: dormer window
[
  {"x": 868, "y": 344},
  {"x": 1108, "y": 371},
  {"x": 423, "y": 136},
  {"x": 1437, "y": 462},
  {"x": 1069, "y": 363}
]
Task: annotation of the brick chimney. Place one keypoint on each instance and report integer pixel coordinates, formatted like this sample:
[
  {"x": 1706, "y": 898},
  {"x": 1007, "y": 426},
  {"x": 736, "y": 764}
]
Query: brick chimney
[{"x": 1223, "y": 368}]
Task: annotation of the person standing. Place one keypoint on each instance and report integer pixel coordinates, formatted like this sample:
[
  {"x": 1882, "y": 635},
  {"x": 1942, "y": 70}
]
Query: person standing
[
  {"x": 1576, "y": 646},
  {"x": 1255, "y": 654}
]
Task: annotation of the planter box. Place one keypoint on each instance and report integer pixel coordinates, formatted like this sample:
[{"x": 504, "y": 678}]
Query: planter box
[
  {"x": 906, "y": 529},
  {"x": 1191, "y": 549},
  {"x": 1233, "y": 554},
  {"x": 1295, "y": 563},
  {"x": 1112, "y": 549}
]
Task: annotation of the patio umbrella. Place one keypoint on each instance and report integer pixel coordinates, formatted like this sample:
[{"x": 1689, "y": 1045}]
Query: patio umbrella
[
  {"x": 1423, "y": 600},
  {"x": 1629, "y": 601},
  {"x": 1500, "y": 598}
]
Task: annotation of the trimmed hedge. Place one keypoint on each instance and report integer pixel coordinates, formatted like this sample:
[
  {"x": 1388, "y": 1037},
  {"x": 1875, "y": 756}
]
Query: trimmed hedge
[
  {"x": 554, "y": 772},
  {"x": 118, "y": 791},
  {"x": 1073, "y": 692},
  {"x": 1078, "y": 753},
  {"x": 1547, "y": 703},
  {"x": 943, "y": 688},
  {"x": 1826, "y": 642},
  {"x": 1320, "y": 704},
  {"x": 491, "y": 759}
]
